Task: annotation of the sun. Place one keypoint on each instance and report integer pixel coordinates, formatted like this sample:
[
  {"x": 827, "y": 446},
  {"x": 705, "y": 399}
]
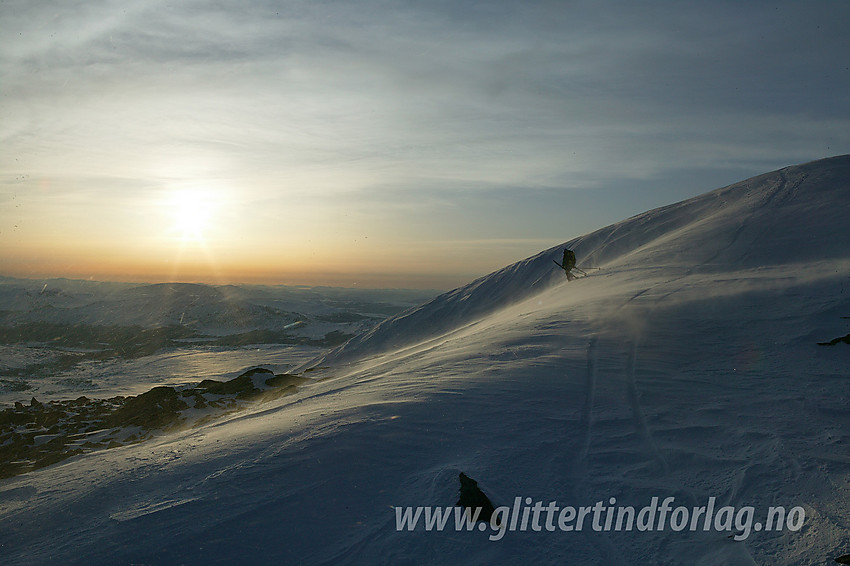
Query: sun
[{"x": 192, "y": 211}]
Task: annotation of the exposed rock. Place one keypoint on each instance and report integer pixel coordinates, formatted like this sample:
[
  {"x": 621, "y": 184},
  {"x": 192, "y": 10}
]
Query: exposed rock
[
  {"x": 834, "y": 341},
  {"x": 40, "y": 434},
  {"x": 285, "y": 379},
  {"x": 159, "y": 408},
  {"x": 471, "y": 497},
  {"x": 242, "y": 386}
]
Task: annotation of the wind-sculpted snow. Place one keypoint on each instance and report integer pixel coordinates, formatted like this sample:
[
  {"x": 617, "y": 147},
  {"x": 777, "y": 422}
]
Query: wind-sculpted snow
[
  {"x": 792, "y": 216},
  {"x": 797, "y": 214},
  {"x": 453, "y": 309}
]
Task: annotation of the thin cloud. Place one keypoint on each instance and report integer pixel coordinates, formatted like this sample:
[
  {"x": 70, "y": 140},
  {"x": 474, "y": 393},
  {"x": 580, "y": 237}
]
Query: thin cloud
[{"x": 392, "y": 106}]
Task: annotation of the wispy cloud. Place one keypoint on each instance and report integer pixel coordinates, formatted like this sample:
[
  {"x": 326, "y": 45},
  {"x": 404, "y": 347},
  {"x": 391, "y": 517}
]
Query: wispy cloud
[{"x": 382, "y": 106}]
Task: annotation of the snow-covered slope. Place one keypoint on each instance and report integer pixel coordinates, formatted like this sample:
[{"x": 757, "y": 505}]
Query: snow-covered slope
[
  {"x": 686, "y": 367},
  {"x": 797, "y": 215}
]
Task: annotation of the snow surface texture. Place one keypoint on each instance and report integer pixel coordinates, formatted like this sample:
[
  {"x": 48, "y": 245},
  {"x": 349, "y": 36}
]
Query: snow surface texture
[{"x": 687, "y": 366}]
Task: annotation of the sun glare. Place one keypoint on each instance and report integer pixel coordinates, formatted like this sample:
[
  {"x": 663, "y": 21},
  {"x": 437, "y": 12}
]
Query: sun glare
[{"x": 192, "y": 212}]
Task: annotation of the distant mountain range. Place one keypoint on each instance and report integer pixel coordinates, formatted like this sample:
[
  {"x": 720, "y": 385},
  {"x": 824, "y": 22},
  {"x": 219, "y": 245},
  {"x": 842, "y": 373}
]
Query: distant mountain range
[{"x": 208, "y": 309}]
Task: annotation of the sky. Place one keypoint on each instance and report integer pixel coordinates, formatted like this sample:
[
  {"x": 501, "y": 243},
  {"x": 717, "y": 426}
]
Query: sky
[{"x": 387, "y": 143}]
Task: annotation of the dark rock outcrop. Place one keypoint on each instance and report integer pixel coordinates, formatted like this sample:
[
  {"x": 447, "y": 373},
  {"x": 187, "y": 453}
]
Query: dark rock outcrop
[
  {"x": 40, "y": 434},
  {"x": 471, "y": 497}
]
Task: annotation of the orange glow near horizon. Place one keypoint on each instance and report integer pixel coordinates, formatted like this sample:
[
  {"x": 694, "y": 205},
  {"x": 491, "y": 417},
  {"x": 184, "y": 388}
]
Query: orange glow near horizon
[
  {"x": 190, "y": 262},
  {"x": 210, "y": 233}
]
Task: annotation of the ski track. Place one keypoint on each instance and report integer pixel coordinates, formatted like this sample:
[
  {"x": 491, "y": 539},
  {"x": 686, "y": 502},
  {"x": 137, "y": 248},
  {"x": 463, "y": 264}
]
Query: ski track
[
  {"x": 587, "y": 410},
  {"x": 578, "y": 488},
  {"x": 633, "y": 397}
]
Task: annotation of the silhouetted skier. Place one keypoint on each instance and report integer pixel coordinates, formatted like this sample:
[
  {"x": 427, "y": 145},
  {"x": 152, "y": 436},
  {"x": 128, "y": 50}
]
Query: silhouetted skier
[
  {"x": 569, "y": 260},
  {"x": 568, "y": 264}
]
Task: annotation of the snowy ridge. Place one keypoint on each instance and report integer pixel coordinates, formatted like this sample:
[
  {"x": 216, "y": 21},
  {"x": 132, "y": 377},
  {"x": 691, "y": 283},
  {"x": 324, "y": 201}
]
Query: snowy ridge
[
  {"x": 787, "y": 216},
  {"x": 451, "y": 310},
  {"x": 794, "y": 215}
]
